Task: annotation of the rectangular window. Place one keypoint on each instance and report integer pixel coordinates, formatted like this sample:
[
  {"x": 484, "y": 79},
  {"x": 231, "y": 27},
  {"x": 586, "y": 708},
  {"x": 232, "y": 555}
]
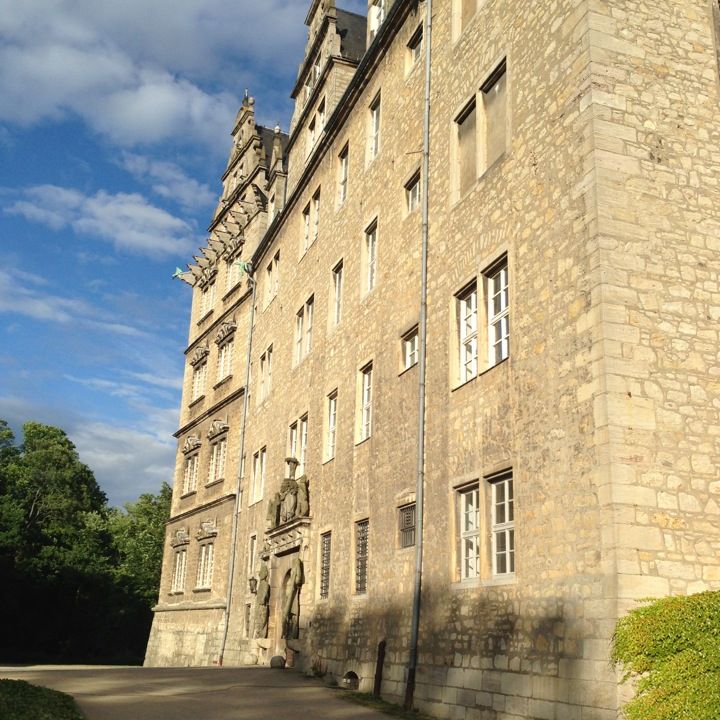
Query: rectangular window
[
  {"x": 218, "y": 453},
  {"x": 303, "y": 431},
  {"x": 252, "y": 549},
  {"x": 321, "y": 115},
  {"x": 362, "y": 531},
  {"x": 414, "y": 51},
  {"x": 468, "y": 332},
  {"x": 374, "y": 135},
  {"x": 190, "y": 474},
  {"x": 325, "y": 547},
  {"x": 337, "y": 292},
  {"x": 503, "y": 525},
  {"x": 412, "y": 193},
  {"x": 466, "y": 126},
  {"x": 232, "y": 275},
  {"x": 469, "y": 521},
  {"x": 377, "y": 17},
  {"x": 370, "y": 256},
  {"x": 366, "y": 402},
  {"x": 306, "y": 228},
  {"x": 309, "y": 314},
  {"x": 179, "y": 571},
  {"x": 498, "y": 313},
  {"x": 494, "y": 98},
  {"x": 311, "y": 136},
  {"x": 406, "y": 525},
  {"x": 199, "y": 381},
  {"x": 304, "y": 329},
  {"x": 225, "y": 356},
  {"x": 271, "y": 209},
  {"x": 207, "y": 299},
  {"x": 410, "y": 348},
  {"x": 331, "y": 425},
  {"x": 266, "y": 373},
  {"x": 316, "y": 215},
  {"x": 258, "y": 478},
  {"x": 205, "y": 566},
  {"x": 272, "y": 277},
  {"x": 343, "y": 170}
]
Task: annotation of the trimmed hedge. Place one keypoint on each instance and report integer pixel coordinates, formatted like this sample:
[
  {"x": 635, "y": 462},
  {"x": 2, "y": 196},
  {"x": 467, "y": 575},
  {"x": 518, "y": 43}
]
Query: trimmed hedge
[
  {"x": 20, "y": 700},
  {"x": 671, "y": 647}
]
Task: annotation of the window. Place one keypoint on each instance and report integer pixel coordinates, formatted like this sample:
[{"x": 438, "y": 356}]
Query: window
[
  {"x": 233, "y": 274},
  {"x": 271, "y": 208},
  {"x": 467, "y": 332},
  {"x": 321, "y": 115},
  {"x": 225, "y": 355},
  {"x": 337, "y": 292},
  {"x": 466, "y": 127},
  {"x": 252, "y": 549},
  {"x": 306, "y": 228},
  {"x": 316, "y": 215},
  {"x": 370, "y": 256},
  {"x": 266, "y": 373},
  {"x": 503, "y": 524},
  {"x": 179, "y": 571},
  {"x": 331, "y": 425},
  {"x": 272, "y": 277},
  {"x": 304, "y": 329},
  {"x": 469, "y": 517},
  {"x": 377, "y": 16},
  {"x": 414, "y": 48},
  {"x": 410, "y": 348},
  {"x": 362, "y": 530},
  {"x": 374, "y": 139},
  {"x": 190, "y": 474},
  {"x": 343, "y": 169},
  {"x": 311, "y": 136},
  {"x": 258, "y": 477},
  {"x": 406, "y": 525},
  {"x": 297, "y": 442},
  {"x": 199, "y": 381},
  {"x": 207, "y": 299},
  {"x": 325, "y": 546},
  {"x": 498, "y": 318},
  {"x": 412, "y": 193},
  {"x": 494, "y": 99},
  {"x": 205, "y": 566},
  {"x": 366, "y": 402},
  {"x": 218, "y": 453}
]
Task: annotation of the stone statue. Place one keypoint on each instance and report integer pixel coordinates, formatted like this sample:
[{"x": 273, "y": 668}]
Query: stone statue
[
  {"x": 273, "y": 511},
  {"x": 288, "y": 491},
  {"x": 262, "y": 603},
  {"x": 291, "y": 625},
  {"x": 303, "y": 500}
]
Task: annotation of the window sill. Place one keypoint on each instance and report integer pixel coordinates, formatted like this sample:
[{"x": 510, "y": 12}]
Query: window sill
[
  {"x": 188, "y": 494},
  {"x": 175, "y": 593},
  {"x": 405, "y": 550},
  {"x": 214, "y": 482},
  {"x": 220, "y": 383},
  {"x": 202, "y": 590},
  {"x": 480, "y": 179},
  {"x": 480, "y": 374},
  {"x": 363, "y": 440},
  {"x": 328, "y": 460},
  {"x": 493, "y": 581},
  {"x": 407, "y": 369},
  {"x": 232, "y": 290},
  {"x": 205, "y": 317},
  {"x": 254, "y": 502},
  {"x": 197, "y": 401},
  {"x": 359, "y": 597}
]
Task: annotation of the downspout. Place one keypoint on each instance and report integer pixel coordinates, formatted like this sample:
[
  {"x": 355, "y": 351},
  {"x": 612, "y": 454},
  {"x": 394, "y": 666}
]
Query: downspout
[
  {"x": 422, "y": 364},
  {"x": 236, "y": 508}
]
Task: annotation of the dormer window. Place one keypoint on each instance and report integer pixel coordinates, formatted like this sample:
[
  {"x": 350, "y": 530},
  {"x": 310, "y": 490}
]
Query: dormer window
[{"x": 377, "y": 17}]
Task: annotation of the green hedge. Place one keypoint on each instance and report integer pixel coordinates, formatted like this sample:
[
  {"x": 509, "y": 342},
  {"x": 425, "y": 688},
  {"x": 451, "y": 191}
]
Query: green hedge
[
  {"x": 671, "y": 647},
  {"x": 22, "y": 701}
]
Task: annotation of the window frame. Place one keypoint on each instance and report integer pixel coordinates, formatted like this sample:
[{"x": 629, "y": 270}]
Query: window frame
[
  {"x": 225, "y": 359},
  {"x": 258, "y": 474},
  {"x": 502, "y": 528},
  {"x": 199, "y": 381},
  {"x": 337, "y": 302},
  {"x": 407, "y": 525},
  {"x": 179, "y": 575},
  {"x": 218, "y": 460},
  {"x": 497, "y": 282},
  {"x": 325, "y": 571},
  {"x": 410, "y": 348},
  {"x": 370, "y": 256},
  {"x": 362, "y": 554},
  {"x": 366, "y": 403},
  {"x": 343, "y": 174},
  {"x": 375, "y": 109},
  {"x": 331, "y": 418},
  {"x": 469, "y": 535},
  {"x": 467, "y": 332},
  {"x": 191, "y": 471},
  {"x": 413, "y": 190},
  {"x": 206, "y": 563}
]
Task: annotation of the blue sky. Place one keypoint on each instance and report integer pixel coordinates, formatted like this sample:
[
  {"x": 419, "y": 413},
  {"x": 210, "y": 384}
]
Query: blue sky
[{"x": 114, "y": 132}]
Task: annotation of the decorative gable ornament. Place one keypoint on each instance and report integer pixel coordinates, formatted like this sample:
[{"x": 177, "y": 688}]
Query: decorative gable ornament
[
  {"x": 207, "y": 529},
  {"x": 192, "y": 442},
  {"x": 180, "y": 537},
  {"x": 218, "y": 427},
  {"x": 199, "y": 355},
  {"x": 225, "y": 331}
]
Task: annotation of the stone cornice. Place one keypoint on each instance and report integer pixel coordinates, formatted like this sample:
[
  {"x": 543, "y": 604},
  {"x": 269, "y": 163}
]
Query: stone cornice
[
  {"x": 200, "y": 509},
  {"x": 210, "y": 411}
]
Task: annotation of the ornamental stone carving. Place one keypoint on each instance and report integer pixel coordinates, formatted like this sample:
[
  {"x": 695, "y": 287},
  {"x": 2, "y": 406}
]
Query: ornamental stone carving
[
  {"x": 291, "y": 604},
  {"x": 199, "y": 355},
  {"x": 293, "y": 500},
  {"x": 218, "y": 427},
  {"x": 180, "y": 537},
  {"x": 207, "y": 529},
  {"x": 262, "y": 603},
  {"x": 225, "y": 331},
  {"x": 192, "y": 442}
]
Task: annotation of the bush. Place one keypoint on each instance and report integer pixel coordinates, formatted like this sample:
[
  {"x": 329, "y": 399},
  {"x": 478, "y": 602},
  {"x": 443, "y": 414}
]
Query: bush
[
  {"x": 22, "y": 701},
  {"x": 672, "y": 648}
]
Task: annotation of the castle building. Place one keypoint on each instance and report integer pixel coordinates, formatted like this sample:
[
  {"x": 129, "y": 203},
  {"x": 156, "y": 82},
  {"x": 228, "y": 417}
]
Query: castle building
[{"x": 546, "y": 427}]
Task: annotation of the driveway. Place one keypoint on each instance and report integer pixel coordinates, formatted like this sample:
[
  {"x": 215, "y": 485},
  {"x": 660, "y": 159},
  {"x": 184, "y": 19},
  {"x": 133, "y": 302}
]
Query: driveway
[{"x": 250, "y": 693}]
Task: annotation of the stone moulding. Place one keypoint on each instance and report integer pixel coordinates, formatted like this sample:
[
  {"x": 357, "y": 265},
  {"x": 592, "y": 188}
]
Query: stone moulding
[
  {"x": 290, "y": 536},
  {"x": 218, "y": 427},
  {"x": 180, "y": 537},
  {"x": 225, "y": 331},
  {"x": 191, "y": 443},
  {"x": 207, "y": 529},
  {"x": 199, "y": 355}
]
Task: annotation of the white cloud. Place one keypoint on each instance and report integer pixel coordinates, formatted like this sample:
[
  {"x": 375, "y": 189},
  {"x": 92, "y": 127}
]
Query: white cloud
[
  {"x": 169, "y": 181},
  {"x": 126, "y": 220}
]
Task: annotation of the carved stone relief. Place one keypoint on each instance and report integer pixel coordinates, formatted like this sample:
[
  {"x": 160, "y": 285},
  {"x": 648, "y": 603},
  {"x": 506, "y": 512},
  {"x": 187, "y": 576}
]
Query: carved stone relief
[{"x": 218, "y": 427}]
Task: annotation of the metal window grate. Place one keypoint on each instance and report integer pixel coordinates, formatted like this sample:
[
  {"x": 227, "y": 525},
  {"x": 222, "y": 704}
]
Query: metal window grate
[
  {"x": 407, "y": 525},
  {"x": 325, "y": 565},
  {"x": 362, "y": 529}
]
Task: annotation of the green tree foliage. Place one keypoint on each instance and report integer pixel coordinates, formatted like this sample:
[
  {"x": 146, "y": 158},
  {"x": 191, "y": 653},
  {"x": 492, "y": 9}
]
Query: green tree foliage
[
  {"x": 671, "y": 647},
  {"x": 69, "y": 582}
]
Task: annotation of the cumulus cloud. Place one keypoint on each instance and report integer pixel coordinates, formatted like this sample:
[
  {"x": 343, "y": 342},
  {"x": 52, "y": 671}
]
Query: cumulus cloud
[
  {"x": 169, "y": 180},
  {"x": 126, "y": 220}
]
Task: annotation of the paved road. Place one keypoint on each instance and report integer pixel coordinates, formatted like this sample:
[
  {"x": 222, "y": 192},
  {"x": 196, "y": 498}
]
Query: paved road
[{"x": 252, "y": 693}]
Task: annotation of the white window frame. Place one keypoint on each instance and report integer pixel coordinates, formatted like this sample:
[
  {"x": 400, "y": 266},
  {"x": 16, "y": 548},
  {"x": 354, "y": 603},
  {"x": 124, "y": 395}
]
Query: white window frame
[
  {"x": 467, "y": 318},
  {"x": 337, "y": 292},
  {"x": 375, "y": 124},
  {"x": 366, "y": 388},
  {"x": 225, "y": 359},
  {"x": 179, "y": 571},
  {"x": 205, "y": 566},
  {"x": 412, "y": 193},
  {"x": 199, "y": 380},
  {"x": 469, "y": 527},
  {"x": 266, "y": 373},
  {"x": 377, "y": 17},
  {"x": 304, "y": 318},
  {"x": 218, "y": 458},
  {"x": 316, "y": 215},
  {"x": 190, "y": 473},
  {"x": 414, "y": 47},
  {"x": 306, "y": 227},
  {"x": 371, "y": 256},
  {"x": 258, "y": 476},
  {"x": 411, "y": 348},
  {"x": 498, "y": 312},
  {"x": 252, "y": 550},
  {"x": 232, "y": 275},
  {"x": 344, "y": 169},
  {"x": 502, "y": 524},
  {"x": 331, "y": 437}
]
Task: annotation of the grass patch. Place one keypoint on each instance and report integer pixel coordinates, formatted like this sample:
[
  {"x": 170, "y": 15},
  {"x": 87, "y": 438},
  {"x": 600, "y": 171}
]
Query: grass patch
[
  {"x": 20, "y": 700},
  {"x": 376, "y": 703}
]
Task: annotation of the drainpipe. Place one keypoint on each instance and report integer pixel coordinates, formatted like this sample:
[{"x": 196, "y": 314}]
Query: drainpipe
[
  {"x": 422, "y": 340},
  {"x": 236, "y": 509}
]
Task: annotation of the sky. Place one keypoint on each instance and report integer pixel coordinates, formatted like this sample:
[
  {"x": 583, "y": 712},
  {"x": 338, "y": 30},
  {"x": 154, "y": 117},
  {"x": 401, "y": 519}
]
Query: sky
[{"x": 115, "y": 122}]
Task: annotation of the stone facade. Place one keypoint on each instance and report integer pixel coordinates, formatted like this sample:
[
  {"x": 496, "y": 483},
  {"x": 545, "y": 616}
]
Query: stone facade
[{"x": 604, "y": 209}]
